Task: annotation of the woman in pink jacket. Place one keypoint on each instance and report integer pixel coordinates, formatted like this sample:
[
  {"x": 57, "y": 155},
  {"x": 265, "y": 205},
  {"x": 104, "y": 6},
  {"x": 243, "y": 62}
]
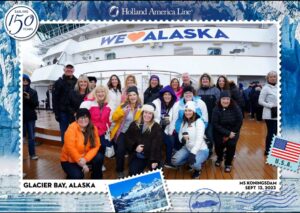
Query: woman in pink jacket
[{"x": 100, "y": 111}]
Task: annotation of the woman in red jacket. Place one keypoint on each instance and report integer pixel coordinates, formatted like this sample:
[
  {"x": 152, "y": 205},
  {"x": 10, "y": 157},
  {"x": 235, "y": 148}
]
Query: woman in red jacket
[{"x": 81, "y": 147}]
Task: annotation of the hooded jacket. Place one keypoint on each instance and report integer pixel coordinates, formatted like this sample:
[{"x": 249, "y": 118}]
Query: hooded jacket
[
  {"x": 161, "y": 109},
  {"x": 151, "y": 94},
  {"x": 29, "y": 105}
]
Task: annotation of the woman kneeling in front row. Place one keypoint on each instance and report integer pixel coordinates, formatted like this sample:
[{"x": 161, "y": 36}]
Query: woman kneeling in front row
[
  {"x": 194, "y": 150},
  {"x": 81, "y": 147},
  {"x": 144, "y": 142}
]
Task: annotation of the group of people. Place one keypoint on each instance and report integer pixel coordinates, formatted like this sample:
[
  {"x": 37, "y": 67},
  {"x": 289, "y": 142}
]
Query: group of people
[{"x": 187, "y": 122}]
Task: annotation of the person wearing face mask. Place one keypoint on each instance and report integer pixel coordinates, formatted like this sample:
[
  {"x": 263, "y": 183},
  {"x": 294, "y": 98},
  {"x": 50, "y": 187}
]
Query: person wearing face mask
[
  {"x": 268, "y": 99},
  {"x": 76, "y": 96},
  {"x": 194, "y": 150},
  {"x": 125, "y": 114},
  {"x": 165, "y": 113},
  {"x": 100, "y": 112},
  {"x": 144, "y": 142},
  {"x": 152, "y": 92},
  {"x": 60, "y": 93},
  {"x": 210, "y": 95},
  {"x": 81, "y": 148},
  {"x": 227, "y": 120},
  {"x": 30, "y": 103}
]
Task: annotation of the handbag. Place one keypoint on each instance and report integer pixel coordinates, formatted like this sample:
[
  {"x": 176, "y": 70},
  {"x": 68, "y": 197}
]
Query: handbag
[
  {"x": 109, "y": 151},
  {"x": 107, "y": 134}
]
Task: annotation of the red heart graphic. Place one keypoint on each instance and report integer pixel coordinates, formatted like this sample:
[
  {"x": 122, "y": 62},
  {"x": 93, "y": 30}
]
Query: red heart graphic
[{"x": 135, "y": 36}]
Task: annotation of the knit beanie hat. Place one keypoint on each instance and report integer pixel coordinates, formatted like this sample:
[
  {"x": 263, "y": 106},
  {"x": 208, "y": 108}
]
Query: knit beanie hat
[
  {"x": 83, "y": 112},
  {"x": 190, "y": 105},
  {"x": 154, "y": 76},
  {"x": 188, "y": 89},
  {"x": 224, "y": 94},
  {"x": 132, "y": 89}
]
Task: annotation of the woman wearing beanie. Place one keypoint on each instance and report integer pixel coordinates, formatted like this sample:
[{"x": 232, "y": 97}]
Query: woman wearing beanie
[
  {"x": 268, "y": 99},
  {"x": 165, "y": 113},
  {"x": 100, "y": 112},
  {"x": 144, "y": 142},
  {"x": 194, "y": 150},
  {"x": 124, "y": 115},
  {"x": 227, "y": 120},
  {"x": 81, "y": 146},
  {"x": 152, "y": 92},
  {"x": 130, "y": 81}
]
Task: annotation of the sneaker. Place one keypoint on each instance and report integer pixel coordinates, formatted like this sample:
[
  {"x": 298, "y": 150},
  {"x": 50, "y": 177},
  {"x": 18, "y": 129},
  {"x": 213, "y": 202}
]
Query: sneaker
[
  {"x": 218, "y": 163},
  {"x": 103, "y": 168},
  {"x": 34, "y": 157},
  {"x": 227, "y": 169},
  {"x": 196, "y": 174},
  {"x": 170, "y": 166},
  {"x": 121, "y": 175}
]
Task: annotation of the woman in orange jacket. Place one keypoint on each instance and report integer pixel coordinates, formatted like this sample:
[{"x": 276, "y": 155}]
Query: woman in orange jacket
[{"x": 81, "y": 147}]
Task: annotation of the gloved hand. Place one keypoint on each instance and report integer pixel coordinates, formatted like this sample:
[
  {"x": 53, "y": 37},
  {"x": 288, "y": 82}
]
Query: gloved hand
[
  {"x": 183, "y": 141},
  {"x": 57, "y": 118},
  {"x": 192, "y": 159}
]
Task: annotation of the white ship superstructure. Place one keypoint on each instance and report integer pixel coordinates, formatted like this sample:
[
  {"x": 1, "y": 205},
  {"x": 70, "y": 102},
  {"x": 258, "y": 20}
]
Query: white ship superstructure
[{"x": 243, "y": 52}]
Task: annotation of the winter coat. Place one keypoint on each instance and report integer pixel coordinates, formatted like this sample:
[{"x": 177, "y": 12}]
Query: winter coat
[
  {"x": 152, "y": 141},
  {"x": 29, "y": 105},
  {"x": 162, "y": 111},
  {"x": 118, "y": 117},
  {"x": 60, "y": 93},
  {"x": 99, "y": 117},
  {"x": 210, "y": 96},
  {"x": 151, "y": 94},
  {"x": 114, "y": 99},
  {"x": 226, "y": 120},
  {"x": 236, "y": 95},
  {"x": 196, "y": 140},
  {"x": 201, "y": 110},
  {"x": 268, "y": 99},
  {"x": 74, "y": 147},
  {"x": 73, "y": 103}
]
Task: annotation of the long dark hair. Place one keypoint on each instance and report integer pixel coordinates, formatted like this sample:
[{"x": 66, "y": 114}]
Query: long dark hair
[
  {"x": 226, "y": 86},
  {"x": 109, "y": 83},
  {"x": 89, "y": 135},
  {"x": 191, "y": 120}
]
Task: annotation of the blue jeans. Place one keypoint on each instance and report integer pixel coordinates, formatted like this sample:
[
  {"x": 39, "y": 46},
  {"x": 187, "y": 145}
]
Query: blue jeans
[
  {"x": 181, "y": 157},
  {"x": 104, "y": 143},
  {"x": 63, "y": 124},
  {"x": 29, "y": 128},
  {"x": 169, "y": 140}
]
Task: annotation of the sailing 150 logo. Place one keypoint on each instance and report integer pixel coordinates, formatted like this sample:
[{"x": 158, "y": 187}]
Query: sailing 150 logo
[{"x": 21, "y": 22}]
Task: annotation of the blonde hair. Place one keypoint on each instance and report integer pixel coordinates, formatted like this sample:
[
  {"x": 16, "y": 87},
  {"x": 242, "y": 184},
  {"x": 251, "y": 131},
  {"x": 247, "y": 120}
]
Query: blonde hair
[
  {"x": 269, "y": 74},
  {"x": 82, "y": 78},
  {"x": 130, "y": 76},
  {"x": 99, "y": 88},
  {"x": 141, "y": 120}
]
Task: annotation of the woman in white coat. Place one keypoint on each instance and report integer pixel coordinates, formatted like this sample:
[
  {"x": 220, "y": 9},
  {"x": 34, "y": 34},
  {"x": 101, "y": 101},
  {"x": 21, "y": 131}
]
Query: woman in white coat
[
  {"x": 165, "y": 113},
  {"x": 268, "y": 99},
  {"x": 191, "y": 134}
]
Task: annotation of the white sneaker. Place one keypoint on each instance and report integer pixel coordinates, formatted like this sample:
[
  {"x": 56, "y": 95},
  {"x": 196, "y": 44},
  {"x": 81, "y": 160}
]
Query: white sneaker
[
  {"x": 103, "y": 168},
  {"x": 34, "y": 157}
]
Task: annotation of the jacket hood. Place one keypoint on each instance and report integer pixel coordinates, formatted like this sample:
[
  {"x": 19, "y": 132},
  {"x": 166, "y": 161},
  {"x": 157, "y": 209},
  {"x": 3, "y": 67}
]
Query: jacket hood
[
  {"x": 27, "y": 78},
  {"x": 167, "y": 89}
]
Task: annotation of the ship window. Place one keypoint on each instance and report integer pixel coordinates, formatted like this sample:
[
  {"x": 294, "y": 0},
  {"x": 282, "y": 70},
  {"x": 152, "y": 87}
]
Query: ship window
[
  {"x": 110, "y": 56},
  {"x": 214, "y": 51},
  {"x": 183, "y": 51}
]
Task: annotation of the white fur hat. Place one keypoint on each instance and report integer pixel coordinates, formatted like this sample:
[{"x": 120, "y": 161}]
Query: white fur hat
[
  {"x": 190, "y": 105},
  {"x": 148, "y": 108}
]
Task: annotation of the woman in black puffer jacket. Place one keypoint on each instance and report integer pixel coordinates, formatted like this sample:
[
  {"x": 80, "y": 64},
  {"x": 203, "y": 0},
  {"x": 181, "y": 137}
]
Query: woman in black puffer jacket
[{"x": 227, "y": 120}]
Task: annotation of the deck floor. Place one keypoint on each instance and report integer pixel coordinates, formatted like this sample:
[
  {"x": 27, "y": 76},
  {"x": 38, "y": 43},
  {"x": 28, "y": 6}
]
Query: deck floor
[{"x": 249, "y": 162}]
